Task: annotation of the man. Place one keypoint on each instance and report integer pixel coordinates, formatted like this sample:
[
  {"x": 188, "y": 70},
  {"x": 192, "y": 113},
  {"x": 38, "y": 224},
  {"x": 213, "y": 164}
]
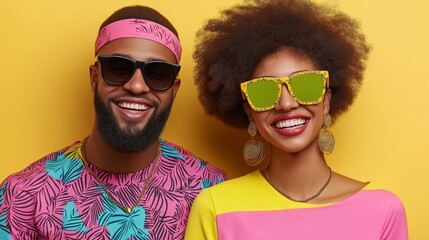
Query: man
[{"x": 122, "y": 181}]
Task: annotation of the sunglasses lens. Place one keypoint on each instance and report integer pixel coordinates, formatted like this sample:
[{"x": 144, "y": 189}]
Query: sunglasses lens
[
  {"x": 263, "y": 94},
  {"x": 307, "y": 88},
  {"x": 116, "y": 70},
  {"x": 160, "y": 75}
]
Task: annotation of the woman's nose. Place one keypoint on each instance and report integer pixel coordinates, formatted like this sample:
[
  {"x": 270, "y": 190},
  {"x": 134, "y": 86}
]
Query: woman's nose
[{"x": 286, "y": 101}]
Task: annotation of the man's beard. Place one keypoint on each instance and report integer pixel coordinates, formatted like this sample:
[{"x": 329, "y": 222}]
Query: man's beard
[{"x": 131, "y": 139}]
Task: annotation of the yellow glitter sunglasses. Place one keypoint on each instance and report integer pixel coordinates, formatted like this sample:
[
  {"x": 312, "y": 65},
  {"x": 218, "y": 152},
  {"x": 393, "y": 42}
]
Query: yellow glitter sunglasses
[{"x": 305, "y": 87}]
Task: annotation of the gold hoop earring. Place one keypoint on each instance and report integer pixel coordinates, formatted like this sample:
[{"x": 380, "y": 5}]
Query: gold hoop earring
[
  {"x": 254, "y": 151},
  {"x": 326, "y": 138}
]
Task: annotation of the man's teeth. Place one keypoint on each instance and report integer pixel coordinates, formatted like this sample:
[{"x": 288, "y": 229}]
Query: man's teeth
[
  {"x": 290, "y": 123},
  {"x": 133, "y": 106}
]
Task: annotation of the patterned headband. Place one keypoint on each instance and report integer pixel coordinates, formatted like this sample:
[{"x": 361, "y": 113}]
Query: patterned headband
[{"x": 139, "y": 28}]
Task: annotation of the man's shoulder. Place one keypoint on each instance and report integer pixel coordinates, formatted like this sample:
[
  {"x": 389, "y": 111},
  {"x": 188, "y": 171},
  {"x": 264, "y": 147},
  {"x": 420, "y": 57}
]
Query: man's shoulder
[
  {"x": 37, "y": 170},
  {"x": 168, "y": 147},
  {"x": 171, "y": 150},
  {"x": 241, "y": 185},
  {"x": 194, "y": 164}
]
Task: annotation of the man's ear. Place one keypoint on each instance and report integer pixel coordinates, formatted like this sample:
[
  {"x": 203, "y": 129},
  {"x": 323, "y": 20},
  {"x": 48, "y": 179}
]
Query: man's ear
[
  {"x": 327, "y": 101},
  {"x": 176, "y": 86},
  {"x": 93, "y": 77}
]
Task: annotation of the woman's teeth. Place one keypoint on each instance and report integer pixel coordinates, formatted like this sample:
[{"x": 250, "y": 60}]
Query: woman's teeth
[{"x": 290, "y": 123}]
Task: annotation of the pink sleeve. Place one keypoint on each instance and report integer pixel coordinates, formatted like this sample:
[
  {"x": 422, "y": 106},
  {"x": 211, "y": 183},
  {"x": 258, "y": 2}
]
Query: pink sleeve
[{"x": 395, "y": 227}]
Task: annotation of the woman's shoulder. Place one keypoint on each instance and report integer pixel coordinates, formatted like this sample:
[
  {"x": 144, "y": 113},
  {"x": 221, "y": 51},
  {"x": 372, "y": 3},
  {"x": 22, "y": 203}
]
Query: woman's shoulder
[
  {"x": 241, "y": 193},
  {"x": 372, "y": 196},
  {"x": 343, "y": 188},
  {"x": 374, "y": 193}
]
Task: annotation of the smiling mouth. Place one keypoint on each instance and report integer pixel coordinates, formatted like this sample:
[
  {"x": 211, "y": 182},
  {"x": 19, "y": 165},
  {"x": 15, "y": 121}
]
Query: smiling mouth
[
  {"x": 290, "y": 123},
  {"x": 133, "y": 106}
]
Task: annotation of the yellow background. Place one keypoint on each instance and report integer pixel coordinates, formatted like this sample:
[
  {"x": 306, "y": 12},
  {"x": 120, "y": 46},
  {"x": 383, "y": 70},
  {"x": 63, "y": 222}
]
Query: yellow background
[{"x": 46, "y": 102}]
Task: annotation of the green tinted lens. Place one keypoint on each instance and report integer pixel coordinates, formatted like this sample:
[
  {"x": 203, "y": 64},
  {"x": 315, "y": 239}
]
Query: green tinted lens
[
  {"x": 263, "y": 94},
  {"x": 307, "y": 88}
]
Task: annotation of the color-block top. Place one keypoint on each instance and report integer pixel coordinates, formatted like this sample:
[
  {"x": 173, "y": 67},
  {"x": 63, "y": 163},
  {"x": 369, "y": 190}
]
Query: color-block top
[
  {"x": 249, "y": 208},
  {"x": 57, "y": 198}
]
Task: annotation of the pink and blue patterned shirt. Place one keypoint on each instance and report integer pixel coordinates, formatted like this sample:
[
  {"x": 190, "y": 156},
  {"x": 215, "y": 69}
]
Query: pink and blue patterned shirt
[{"x": 57, "y": 198}]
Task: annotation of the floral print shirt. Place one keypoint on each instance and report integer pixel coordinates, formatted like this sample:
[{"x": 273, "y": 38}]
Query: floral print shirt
[{"x": 56, "y": 197}]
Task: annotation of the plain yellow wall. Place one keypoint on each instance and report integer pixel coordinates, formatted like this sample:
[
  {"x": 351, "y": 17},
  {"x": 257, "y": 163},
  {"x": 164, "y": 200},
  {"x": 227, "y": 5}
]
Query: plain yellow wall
[{"x": 46, "y": 102}]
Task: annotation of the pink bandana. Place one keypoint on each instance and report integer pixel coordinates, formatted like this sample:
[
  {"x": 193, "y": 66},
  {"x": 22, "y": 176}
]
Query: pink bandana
[{"x": 139, "y": 28}]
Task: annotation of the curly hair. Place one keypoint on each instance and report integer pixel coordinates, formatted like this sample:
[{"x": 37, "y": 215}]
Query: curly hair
[
  {"x": 140, "y": 12},
  {"x": 229, "y": 48}
]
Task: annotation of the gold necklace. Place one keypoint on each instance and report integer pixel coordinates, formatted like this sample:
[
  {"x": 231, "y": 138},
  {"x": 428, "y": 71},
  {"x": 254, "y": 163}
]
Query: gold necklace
[
  {"x": 304, "y": 200},
  {"x": 110, "y": 196}
]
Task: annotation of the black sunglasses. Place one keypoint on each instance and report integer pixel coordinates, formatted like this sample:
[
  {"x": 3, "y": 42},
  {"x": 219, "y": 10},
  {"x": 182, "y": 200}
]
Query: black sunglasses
[{"x": 118, "y": 70}]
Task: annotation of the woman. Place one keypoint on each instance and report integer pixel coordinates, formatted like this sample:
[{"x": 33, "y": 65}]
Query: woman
[{"x": 285, "y": 68}]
